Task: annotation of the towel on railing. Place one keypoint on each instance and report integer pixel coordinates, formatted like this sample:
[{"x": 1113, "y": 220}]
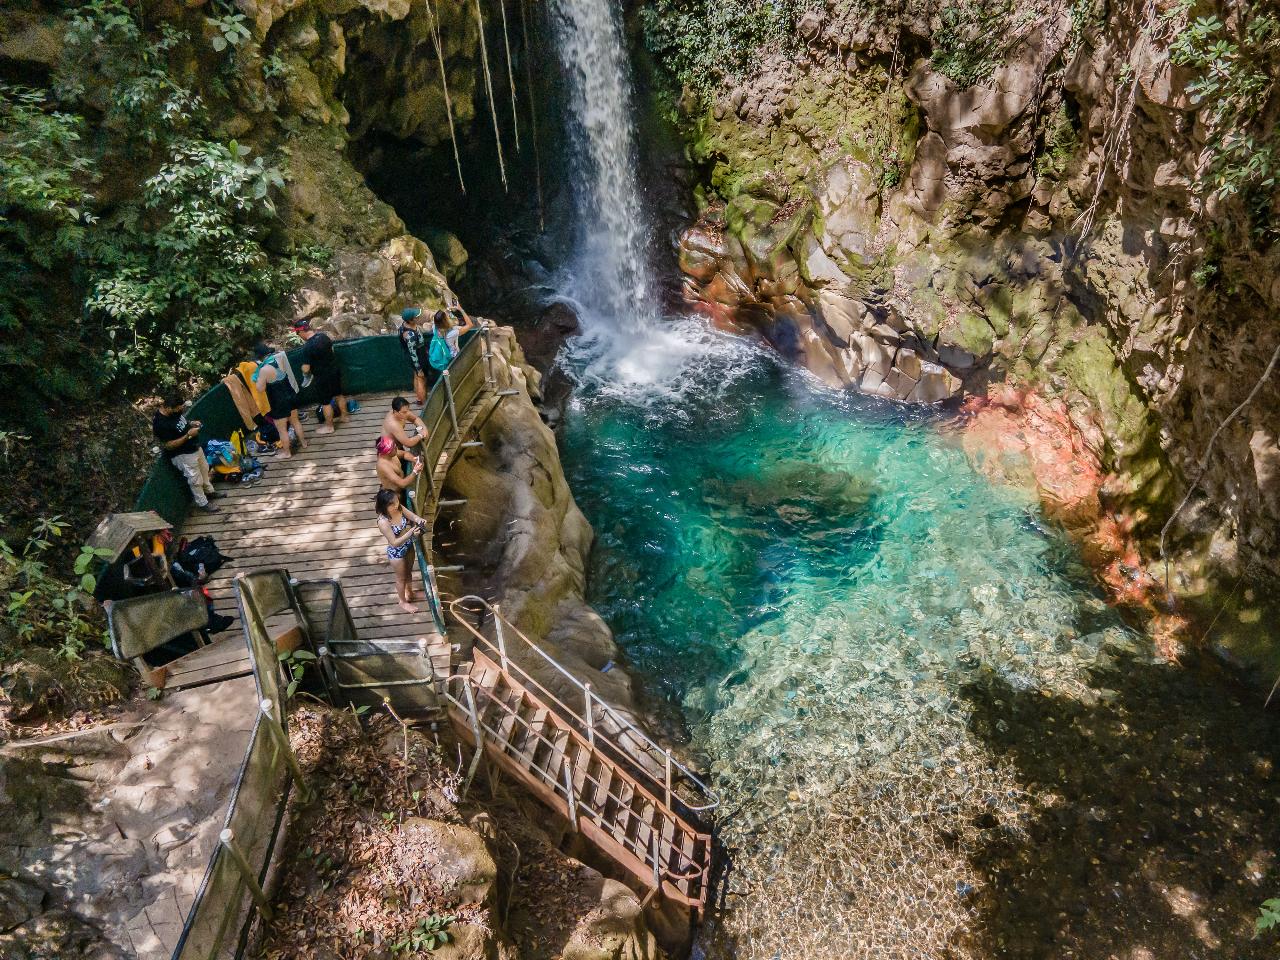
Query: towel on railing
[{"x": 246, "y": 406}]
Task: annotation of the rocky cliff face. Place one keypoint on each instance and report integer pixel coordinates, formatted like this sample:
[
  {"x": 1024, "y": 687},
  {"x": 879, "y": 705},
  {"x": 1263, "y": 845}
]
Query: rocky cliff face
[{"x": 1041, "y": 221}]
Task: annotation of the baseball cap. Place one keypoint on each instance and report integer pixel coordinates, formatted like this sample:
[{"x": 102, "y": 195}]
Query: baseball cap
[
  {"x": 301, "y": 325},
  {"x": 410, "y": 313}
]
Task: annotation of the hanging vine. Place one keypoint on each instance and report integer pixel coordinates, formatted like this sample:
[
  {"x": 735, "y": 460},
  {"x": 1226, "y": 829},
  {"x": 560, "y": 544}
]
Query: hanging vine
[
  {"x": 511, "y": 77},
  {"x": 533, "y": 112},
  {"x": 434, "y": 23},
  {"x": 488, "y": 86}
]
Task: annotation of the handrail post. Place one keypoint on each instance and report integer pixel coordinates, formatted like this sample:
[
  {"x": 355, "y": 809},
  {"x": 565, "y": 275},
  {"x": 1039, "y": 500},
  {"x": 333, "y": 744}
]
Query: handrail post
[
  {"x": 657, "y": 868},
  {"x": 474, "y": 716},
  {"x": 228, "y": 840},
  {"x": 667, "y": 765},
  {"x": 591, "y": 723},
  {"x": 502, "y": 640},
  {"x": 568, "y": 793},
  {"x": 282, "y": 744},
  {"x": 488, "y": 356},
  {"x": 448, "y": 396}
]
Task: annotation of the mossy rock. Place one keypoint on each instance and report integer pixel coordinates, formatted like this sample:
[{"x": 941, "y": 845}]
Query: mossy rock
[
  {"x": 971, "y": 333},
  {"x": 1091, "y": 366}
]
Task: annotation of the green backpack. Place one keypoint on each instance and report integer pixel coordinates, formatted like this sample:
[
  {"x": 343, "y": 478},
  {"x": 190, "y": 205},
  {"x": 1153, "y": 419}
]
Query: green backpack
[{"x": 439, "y": 354}]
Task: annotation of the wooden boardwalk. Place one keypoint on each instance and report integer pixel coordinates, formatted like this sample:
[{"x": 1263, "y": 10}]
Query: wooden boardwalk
[{"x": 313, "y": 515}]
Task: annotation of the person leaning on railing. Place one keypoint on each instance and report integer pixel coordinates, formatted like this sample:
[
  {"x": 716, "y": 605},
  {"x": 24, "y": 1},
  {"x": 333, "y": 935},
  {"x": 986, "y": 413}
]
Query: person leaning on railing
[
  {"x": 397, "y": 421},
  {"x": 390, "y": 474}
]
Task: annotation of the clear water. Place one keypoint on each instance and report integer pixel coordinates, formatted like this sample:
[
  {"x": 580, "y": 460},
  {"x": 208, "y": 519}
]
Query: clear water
[{"x": 810, "y": 577}]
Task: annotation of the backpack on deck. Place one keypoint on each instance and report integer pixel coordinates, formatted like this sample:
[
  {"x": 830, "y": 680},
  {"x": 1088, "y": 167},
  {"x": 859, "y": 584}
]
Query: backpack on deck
[{"x": 440, "y": 354}]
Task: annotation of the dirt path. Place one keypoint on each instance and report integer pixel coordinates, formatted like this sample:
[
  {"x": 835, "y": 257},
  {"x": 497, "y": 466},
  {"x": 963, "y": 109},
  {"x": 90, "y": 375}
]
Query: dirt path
[{"x": 105, "y": 836}]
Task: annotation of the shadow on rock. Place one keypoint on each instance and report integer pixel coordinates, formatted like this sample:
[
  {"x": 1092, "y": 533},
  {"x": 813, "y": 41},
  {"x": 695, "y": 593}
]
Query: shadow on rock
[{"x": 1155, "y": 824}]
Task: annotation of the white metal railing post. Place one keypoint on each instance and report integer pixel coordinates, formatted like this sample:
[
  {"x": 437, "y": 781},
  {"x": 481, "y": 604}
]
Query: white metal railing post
[
  {"x": 488, "y": 356},
  {"x": 657, "y": 867},
  {"x": 474, "y": 716},
  {"x": 591, "y": 723},
  {"x": 568, "y": 793},
  {"x": 667, "y": 767},
  {"x": 282, "y": 743},
  {"x": 247, "y": 876},
  {"x": 448, "y": 396},
  {"x": 502, "y": 640}
]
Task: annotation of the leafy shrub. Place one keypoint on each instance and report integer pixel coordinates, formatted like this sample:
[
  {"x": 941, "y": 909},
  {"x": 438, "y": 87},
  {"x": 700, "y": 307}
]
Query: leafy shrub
[
  {"x": 1236, "y": 69},
  {"x": 41, "y": 609},
  {"x": 703, "y": 42},
  {"x": 166, "y": 280}
]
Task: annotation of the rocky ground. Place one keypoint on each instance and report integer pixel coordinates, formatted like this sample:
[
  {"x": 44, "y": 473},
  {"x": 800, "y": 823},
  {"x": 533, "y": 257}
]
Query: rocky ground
[{"x": 388, "y": 841}]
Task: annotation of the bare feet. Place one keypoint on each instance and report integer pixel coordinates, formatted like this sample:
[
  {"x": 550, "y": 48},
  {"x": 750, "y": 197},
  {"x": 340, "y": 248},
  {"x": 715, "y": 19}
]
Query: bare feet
[
  {"x": 414, "y": 595},
  {"x": 325, "y": 430},
  {"x": 408, "y": 607}
]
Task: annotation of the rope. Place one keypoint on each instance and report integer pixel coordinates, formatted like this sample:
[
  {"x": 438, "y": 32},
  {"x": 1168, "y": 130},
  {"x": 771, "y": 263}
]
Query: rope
[
  {"x": 444, "y": 85},
  {"x": 511, "y": 78},
  {"x": 533, "y": 114},
  {"x": 488, "y": 86}
]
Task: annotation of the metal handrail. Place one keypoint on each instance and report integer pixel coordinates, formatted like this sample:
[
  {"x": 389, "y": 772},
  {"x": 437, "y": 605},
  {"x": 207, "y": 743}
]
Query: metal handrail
[
  {"x": 670, "y": 764},
  {"x": 637, "y": 847}
]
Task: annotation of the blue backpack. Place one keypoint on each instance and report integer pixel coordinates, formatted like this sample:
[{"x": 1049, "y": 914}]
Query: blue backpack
[{"x": 439, "y": 354}]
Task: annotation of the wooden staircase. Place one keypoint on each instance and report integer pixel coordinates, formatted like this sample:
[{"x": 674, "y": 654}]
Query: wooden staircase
[{"x": 624, "y": 811}]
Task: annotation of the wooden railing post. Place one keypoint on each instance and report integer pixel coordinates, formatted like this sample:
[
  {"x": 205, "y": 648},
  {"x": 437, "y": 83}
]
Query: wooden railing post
[
  {"x": 282, "y": 744},
  {"x": 448, "y": 396},
  {"x": 247, "y": 876},
  {"x": 591, "y": 723}
]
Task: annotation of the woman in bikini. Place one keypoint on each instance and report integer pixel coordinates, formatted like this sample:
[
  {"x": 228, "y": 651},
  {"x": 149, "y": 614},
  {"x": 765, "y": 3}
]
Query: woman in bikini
[{"x": 399, "y": 525}]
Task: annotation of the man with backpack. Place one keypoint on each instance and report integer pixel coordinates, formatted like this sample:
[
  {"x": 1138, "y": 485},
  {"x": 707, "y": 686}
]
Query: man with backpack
[
  {"x": 414, "y": 344},
  {"x": 319, "y": 364}
]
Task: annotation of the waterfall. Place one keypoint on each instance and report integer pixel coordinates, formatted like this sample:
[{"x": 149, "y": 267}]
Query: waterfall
[{"x": 611, "y": 272}]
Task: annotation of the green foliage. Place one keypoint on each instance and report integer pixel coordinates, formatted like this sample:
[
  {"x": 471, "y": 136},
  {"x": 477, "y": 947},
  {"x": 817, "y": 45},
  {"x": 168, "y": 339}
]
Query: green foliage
[
  {"x": 232, "y": 30},
  {"x": 703, "y": 42},
  {"x": 168, "y": 278},
  {"x": 970, "y": 42},
  {"x": 427, "y": 934},
  {"x": 1236, "y": 68},
  {"x": 1268, "y": 916},
  {"x": 40, "y": 608},
  {"x": 296, "y": 661},
  {"x": 45, "y": 210},
  {"x": 274, "y": 67}
]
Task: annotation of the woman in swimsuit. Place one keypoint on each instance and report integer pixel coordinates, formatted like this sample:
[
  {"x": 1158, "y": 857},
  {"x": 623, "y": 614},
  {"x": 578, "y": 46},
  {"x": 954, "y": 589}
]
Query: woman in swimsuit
[{"x": 399, "y": 526}]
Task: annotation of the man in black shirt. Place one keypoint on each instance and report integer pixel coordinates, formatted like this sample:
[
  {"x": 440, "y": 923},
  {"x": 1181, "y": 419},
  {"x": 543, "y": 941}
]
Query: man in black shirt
[
  {"x": 180, "y": 440},
  {"x": 319, "y": 361}
]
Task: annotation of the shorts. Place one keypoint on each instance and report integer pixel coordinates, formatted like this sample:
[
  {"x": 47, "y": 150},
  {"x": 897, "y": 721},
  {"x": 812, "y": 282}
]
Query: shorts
[{"x": 328, "y": 385}]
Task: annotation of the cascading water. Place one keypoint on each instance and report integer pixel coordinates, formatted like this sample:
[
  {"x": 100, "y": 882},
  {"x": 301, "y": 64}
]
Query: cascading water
[{"x": 611, "y": 276}]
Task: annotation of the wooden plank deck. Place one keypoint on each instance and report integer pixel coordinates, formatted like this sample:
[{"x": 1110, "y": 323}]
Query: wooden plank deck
[{"x": 313, "y": 515}]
